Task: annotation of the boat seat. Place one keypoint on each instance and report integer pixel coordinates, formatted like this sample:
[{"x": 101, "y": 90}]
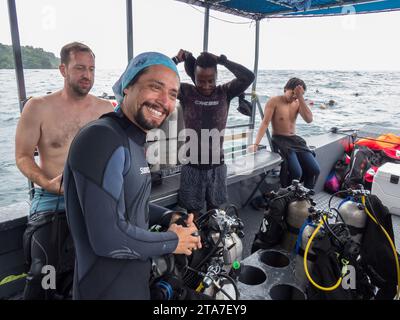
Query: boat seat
[{"x": 239, "y": 168}]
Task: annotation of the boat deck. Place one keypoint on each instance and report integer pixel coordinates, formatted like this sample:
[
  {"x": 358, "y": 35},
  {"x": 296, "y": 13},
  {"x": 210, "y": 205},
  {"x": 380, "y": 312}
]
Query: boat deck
[
  {"x": 252, "y": 220},
  {"x": 273, "y": 274},
  {"x": 244, "y": 177}
]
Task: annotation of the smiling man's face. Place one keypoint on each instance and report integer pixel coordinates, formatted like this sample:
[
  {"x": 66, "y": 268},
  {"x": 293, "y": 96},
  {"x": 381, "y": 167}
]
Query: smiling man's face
[{"x": 152, "y": 97}]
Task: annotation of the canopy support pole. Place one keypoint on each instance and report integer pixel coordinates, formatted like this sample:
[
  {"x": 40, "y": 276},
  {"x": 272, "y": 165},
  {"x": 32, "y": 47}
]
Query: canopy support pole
[
  {"x": 254, "y": 98},
  {"x": 206, "y": 28},
  {"x": 129, "y": 29},
  {"x": 254, "y": 87},
  {"x": 19, "y": 69}
]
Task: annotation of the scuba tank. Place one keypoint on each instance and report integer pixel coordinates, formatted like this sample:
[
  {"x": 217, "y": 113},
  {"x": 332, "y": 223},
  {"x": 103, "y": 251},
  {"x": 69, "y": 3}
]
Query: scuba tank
[
  {"x": 229, "y": 286},
  {"x": 297, "y": 212},
  {"x": 329, "y": 249},
  {"x": 216, "y": 283},
  {"x": 353, "y": 215},
  {"x": 303, "y": 237}
]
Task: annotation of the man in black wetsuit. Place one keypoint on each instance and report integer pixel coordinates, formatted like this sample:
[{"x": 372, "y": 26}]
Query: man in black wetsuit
[
  {"x": 107, "y": 188},
  {"x": 205, "y": 110}
]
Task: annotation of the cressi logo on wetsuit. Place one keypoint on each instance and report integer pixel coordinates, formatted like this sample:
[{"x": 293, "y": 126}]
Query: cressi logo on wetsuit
[{"x": 207, "y": 103}]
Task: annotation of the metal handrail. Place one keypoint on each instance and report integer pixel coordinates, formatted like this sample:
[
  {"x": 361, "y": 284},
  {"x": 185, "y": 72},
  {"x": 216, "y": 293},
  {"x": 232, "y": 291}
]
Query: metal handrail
[
  {"x": 19, "y": 69},
  {"x": 237, "y": 126},
  {"x": 256, "y": 102}
]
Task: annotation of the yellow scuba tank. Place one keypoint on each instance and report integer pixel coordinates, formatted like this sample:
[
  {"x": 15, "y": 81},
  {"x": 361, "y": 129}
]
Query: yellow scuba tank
[{"x": 297, "y": 213}]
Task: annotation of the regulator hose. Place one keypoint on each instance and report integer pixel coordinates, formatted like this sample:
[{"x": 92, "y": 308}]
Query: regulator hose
[
  {"x": 223, "y": 275},
  {"x": 344, "y": 270}
]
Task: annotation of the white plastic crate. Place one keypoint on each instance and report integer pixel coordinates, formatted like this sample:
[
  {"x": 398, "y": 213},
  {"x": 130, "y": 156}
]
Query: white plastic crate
[{"x": 386, "y": 186}]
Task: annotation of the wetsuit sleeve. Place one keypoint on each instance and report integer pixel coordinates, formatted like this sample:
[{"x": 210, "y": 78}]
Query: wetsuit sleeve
[
  {"x": 244, "y": 78},
  {"x": 183, "y": 91},
  {"x": 190, "y": 62},
  {"x": 97, "y": 162}
]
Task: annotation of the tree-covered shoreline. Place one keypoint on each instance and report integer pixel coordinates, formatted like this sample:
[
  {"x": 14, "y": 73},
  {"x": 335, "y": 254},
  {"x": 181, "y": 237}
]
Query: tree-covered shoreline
[{"x": 32, "y": 58}]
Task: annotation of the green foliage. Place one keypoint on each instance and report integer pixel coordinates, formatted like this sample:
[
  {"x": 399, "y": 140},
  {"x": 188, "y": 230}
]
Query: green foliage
[{"x": 32, "y": 58}]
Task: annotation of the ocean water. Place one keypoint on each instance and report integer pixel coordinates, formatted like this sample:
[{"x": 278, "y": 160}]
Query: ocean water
[{"x": 360, "y": 98}]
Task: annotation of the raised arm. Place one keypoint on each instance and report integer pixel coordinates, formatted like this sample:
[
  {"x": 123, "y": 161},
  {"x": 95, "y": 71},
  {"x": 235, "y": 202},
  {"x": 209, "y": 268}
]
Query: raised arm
[
  {"x": 189, "y": 60},
  {"x": 304, "y": 110},
  {"x": 26, "y": 140},
  {"x": 268, "y": 113},
  {"x": 244, "y": 77}
]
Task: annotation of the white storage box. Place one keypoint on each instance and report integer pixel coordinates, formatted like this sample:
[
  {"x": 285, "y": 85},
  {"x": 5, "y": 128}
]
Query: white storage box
[{"x": 386, "y": 186}]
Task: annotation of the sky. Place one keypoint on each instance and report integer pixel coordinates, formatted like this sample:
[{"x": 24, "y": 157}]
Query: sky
[{"x": 355, "y": 42}]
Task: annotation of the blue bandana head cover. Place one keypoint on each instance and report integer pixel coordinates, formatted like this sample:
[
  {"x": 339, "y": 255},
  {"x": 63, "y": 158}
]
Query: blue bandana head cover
[{"x": 137, "y": 64}]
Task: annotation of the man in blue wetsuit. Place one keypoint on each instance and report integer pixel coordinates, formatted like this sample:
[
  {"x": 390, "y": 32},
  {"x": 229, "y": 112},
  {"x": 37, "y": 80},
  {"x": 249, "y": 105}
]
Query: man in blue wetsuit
[
  {"x": 107, "y": 188},
  {"x": 205, "y": 108}
]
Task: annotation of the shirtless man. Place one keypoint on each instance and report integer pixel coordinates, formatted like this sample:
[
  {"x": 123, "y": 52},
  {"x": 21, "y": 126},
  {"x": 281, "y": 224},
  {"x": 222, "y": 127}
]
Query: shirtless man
[
  {"x": 49, "y": 123},
  {"x": 282, "y": 111}
]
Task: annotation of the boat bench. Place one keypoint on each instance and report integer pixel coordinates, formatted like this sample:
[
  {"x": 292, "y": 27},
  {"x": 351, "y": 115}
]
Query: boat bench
[{"x": 239, "y": 168}]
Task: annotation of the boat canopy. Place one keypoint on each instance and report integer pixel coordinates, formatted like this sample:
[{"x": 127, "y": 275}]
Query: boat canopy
[{"x": 260, "y": 9}]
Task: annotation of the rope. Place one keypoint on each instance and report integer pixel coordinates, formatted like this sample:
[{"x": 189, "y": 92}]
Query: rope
[{"x": 223, "y": 20}]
